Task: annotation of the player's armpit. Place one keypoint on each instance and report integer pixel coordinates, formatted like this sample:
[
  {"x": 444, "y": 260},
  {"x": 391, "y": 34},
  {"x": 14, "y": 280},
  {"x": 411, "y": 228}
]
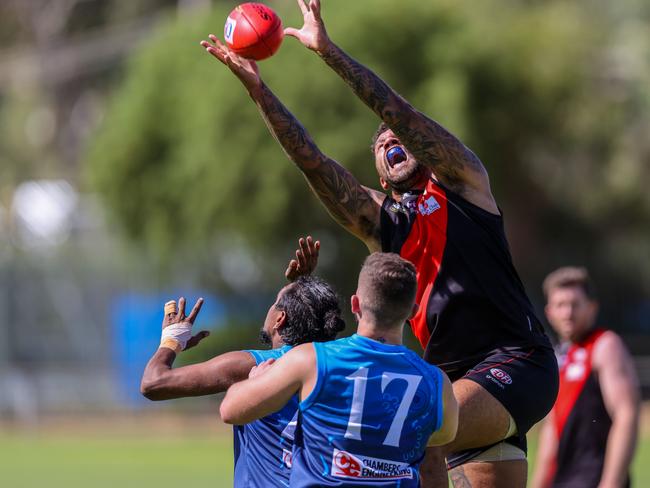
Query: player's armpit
[
  {"x": 447, "y": 431},
  {"x": 161, "y": 382},
  {"x": 262, "y": 395},
  {"x": 455, "y": 166}
]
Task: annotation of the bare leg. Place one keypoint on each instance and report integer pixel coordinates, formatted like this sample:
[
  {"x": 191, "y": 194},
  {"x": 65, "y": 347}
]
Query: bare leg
[
  {"x": 433, "y": 470},
  {"x": 482, "y": 421},
  {"x": 501, "y": 474}
]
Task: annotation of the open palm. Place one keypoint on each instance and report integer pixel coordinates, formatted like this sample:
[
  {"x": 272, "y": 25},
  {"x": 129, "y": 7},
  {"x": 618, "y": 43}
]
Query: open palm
[
  {"x": 245, "y": 69},
  {"x": 312, "y": 34}
]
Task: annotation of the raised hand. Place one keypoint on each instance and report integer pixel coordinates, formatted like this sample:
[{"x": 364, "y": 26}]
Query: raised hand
[
  {"x": 244, "y": 69},
  {"x": 312, "y": 34},
  {"x": 178, "y": 328},
  {"x": 306, "y": 259}
]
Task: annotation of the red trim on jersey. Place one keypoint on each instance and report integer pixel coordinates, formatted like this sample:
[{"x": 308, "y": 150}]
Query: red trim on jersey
[
  {"x": 425, "y": 247},
  {"x": 573, "y": 375}
]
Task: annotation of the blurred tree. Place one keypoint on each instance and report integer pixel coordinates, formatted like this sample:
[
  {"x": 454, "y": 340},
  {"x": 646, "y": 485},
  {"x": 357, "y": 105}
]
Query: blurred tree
[
  {"x": 553, "y": 96},
  {"x": 56, "y": 61}
]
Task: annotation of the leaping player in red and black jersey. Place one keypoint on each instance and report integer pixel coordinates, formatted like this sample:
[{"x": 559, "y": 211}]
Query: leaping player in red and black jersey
[{"x": 475, "y": 320}]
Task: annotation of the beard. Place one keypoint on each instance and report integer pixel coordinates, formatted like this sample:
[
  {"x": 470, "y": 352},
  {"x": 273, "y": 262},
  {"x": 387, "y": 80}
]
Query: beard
[
  {"x": 407, "y": 180},
  {"x": 265, "y": 338}
]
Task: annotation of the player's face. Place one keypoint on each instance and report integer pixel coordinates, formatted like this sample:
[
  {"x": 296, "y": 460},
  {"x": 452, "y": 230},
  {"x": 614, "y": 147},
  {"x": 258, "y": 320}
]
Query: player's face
[
  {"x": 395, "y": 165},
  {"x": 570, "y": 312},
  {"x": 268, "y": 332}
]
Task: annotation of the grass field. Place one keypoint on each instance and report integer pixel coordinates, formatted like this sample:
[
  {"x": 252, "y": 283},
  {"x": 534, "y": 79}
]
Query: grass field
[
  {"x": 136, "y": 457},
  {"x": 109, "y": 462}
]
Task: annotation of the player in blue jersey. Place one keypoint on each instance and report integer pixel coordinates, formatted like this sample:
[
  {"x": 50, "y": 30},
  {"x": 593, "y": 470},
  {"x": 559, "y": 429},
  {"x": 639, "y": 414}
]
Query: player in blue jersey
[
  {"x": 368, "y": 405},
  {"x": 305, "y": 310}
]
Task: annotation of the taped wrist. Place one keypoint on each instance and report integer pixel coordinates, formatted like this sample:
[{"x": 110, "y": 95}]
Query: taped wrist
[{"x": 175, "y": 336}]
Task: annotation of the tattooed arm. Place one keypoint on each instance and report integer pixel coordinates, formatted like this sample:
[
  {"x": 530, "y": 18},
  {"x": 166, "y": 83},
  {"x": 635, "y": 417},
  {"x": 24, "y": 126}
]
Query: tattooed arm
[
  {"x": 453, "y": 164},
  {"x": 352, "y": 205}
]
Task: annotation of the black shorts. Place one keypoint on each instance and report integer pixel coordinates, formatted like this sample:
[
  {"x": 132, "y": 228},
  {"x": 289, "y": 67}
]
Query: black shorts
[{"x": 525, "y": 381}]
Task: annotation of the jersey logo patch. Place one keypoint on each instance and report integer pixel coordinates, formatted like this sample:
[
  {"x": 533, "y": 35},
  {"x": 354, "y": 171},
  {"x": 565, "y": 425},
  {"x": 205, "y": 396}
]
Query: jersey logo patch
[
  {"x": 346, "y": 465},
  {"x": 580, "y": 354},
  {"x": 575, "y": 371},
  {"x": 575, "y": 366},
  {"x": 395, "y": 207},
  {"x": 428, "y": 206},
  {"x": 286, "y": 458}
]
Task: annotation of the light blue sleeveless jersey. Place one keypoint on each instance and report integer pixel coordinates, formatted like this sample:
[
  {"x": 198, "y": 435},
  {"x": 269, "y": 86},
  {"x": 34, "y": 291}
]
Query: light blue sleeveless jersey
[
  {"x": 369, "y": 417},
  {"x": 263, "y": 447}
]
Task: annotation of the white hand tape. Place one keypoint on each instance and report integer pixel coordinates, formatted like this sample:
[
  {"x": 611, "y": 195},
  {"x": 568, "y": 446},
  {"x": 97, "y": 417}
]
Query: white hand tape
[
  {"x": 170, "y": 307},
  {"x": 178, "y": 333}
]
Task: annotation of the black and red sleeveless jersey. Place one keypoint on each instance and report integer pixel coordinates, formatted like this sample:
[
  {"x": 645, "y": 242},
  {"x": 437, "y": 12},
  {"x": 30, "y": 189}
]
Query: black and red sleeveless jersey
[
  {"x": 472, "y": 301},
  {"x": 581, "y": 420}
]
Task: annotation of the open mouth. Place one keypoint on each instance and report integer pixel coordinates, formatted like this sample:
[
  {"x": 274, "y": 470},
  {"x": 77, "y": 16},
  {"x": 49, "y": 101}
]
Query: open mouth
[{"x": 395, "y": 155}]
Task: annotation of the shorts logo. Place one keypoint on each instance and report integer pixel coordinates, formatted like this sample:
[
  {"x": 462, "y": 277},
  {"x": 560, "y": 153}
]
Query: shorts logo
[
  {"x": 229, "y": 29},
  {"x": 501, "y": 375},
  {"x": 346, "y": 465},
  {"x": 428, "y": 206}
]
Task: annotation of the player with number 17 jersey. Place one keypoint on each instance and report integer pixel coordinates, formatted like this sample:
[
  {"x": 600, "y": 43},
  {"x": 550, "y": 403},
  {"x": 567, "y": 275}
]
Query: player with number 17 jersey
[{"x": 369, "y": 417}]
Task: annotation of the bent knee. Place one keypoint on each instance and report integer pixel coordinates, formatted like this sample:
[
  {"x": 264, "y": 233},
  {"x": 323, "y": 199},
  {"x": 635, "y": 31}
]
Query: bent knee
[{"x": 493, "y": 474}]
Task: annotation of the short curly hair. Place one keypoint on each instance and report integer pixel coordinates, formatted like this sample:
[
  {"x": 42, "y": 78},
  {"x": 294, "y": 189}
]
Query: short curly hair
[{"x": 312, "y": 309}]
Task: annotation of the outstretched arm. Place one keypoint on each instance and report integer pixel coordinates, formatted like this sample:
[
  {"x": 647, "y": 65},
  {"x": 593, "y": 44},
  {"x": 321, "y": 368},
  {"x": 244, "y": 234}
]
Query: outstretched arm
[
  {"x": 270, "y": 388},
  {"x": 431, "y": 144},
  {"x": 162, "y": 382},
  {"x": 352, "y": 205}
]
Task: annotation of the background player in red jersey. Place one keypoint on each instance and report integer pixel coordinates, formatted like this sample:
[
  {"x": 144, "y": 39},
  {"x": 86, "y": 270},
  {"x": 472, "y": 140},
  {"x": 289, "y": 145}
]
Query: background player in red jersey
[
  {"x": 588, "y": 440},
  {"x": 474, "y": 320}
]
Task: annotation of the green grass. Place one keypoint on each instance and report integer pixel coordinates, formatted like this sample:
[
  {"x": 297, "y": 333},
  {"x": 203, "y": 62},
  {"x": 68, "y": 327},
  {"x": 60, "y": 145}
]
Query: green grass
[
  {"x": 132, "y": 461},
  {"x": 109, "y": 462}
]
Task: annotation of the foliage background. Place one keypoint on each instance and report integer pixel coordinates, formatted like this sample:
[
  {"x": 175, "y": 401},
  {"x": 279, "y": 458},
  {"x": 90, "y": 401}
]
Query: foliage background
[{"x": 553, "y": 96}]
